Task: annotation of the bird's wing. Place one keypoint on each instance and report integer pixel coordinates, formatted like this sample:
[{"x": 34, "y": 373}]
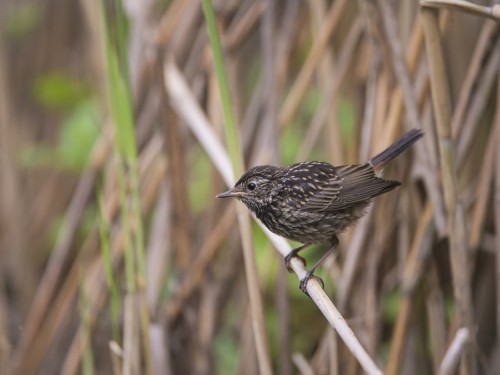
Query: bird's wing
[{"x": 349, "y": 185}]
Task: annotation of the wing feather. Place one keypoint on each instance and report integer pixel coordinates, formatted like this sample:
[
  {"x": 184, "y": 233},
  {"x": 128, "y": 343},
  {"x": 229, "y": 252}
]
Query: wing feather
[{"x": 347, "y": 186}]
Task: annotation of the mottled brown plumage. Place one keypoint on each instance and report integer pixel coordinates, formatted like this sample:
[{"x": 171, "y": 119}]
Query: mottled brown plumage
[{"x": 312, "y": 202}]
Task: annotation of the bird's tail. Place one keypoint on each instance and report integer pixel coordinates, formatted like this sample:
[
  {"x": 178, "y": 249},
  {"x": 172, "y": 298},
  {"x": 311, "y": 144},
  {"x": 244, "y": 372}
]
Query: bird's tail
[{"x": 396, "y": 148}]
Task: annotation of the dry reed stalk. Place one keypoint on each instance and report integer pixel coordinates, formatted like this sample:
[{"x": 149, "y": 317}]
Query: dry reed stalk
[
  {"x": 170, "y": 20},
  {"x": 372, "y": 101},
  {"x": 202, "y": 260},
  {"x": 452, "y": 357},
  {"x": 475, "y": 66},
  {"x": 205, "y": 329},
  {"x": 412, "y": 53},
  {"x": 483, "y": 188},
  {"x": 353, "y": 256},
  {"x": 436, "y": 313},
  {"x": 478, "y": 104},
  {"x": 159, "y": 251},
  {"x": 45, "y": 292},
  {"x": 302, "y": 365},
  {"x": 162, "y": 363},
  {"x": 328, "y": 68},
  {"x": 399, "y": 63},
  {"x": 456, "y": 221},
  {"x": 246, "y": 352},
  {"x": 298, "y": 89},
  {"x": 332, "y": 85},
  {"x": 414, "y": 269},
  {"x": 496, "y": 198},
  {"x": 177, "y": 172},
  {"x": 241, "y": 26},
  {"x": 14, "y": 256},
  {"x": 131, "y": 339},
  {"x": 285, "y": 42},
  {"x": 268, "y": 135}
]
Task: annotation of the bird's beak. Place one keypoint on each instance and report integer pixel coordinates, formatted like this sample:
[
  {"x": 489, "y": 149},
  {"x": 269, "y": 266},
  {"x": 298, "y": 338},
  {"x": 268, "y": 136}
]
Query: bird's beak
[{"x": 231, "y": 193}]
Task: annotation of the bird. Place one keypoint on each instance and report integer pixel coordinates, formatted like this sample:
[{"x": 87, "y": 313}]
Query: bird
[{"x": 312, "y": 202}]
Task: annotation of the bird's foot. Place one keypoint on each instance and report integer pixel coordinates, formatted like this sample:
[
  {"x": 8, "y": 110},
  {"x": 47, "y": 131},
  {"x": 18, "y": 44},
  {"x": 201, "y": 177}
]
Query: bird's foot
[
  {"x": 305, "y": 279},
  {"x": 288, "y": 258}
]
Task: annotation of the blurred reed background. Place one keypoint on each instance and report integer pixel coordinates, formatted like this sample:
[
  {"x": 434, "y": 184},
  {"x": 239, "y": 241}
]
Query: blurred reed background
[{"x": 115, "y": 257}]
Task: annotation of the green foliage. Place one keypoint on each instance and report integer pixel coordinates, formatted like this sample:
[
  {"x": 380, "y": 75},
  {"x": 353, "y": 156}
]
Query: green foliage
[
  {"x": 292, "y": 137},
  {"x": 82, "y": 118},
  {"x": 265, "y": 257},
  {"x": 390, "y": 306},
  {"x": 347, "y": 118},
  {"x": 60, "y": 91},
  {"x": 226, "y": 353},
  {"x": 290, "y": 142},
  {"x": 200, "y": 194},
  {"x": 79, "y": 132}
]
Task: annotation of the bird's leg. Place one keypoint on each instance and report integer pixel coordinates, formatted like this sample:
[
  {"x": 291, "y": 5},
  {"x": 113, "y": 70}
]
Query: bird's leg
[
  {"x": 334, "y": 242},
  {"x": 295, "y": 254}
]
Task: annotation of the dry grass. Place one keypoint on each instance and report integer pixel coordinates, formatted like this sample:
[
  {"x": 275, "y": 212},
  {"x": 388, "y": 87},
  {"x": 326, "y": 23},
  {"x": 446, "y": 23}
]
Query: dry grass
[{"x": 416, "y": 279}]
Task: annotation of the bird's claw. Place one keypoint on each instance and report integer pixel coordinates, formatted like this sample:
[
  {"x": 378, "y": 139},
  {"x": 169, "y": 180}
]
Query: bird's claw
[
  {"x": 289, "y": 257},
  {"x": 305, "y": 279}
]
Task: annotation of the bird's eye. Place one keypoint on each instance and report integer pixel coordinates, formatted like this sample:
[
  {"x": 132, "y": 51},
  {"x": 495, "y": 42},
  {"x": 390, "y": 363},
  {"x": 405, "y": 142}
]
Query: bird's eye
[{"x": 251, "y": 186}]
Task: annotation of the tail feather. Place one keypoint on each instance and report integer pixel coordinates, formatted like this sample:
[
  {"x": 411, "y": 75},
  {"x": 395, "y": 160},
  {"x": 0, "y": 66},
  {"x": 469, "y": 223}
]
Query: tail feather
[{"x": 396, "y": 148}]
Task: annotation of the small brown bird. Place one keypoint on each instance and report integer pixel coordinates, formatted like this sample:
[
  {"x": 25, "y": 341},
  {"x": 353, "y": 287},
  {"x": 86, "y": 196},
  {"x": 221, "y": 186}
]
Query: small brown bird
[{"x": 312, "y": 202}]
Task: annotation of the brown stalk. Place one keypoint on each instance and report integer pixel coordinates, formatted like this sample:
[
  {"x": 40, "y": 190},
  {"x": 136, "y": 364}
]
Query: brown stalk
[
  {"x": 496, "y": 197},
  {"x": 331, "y": 86},
  {"x": 198, "y": 267},
  {"x": 241, "y": 27},
  {"x": 169, "y": 22},
  {"x": 483, "y": 189},
  {"x": 131, "y": 339},
  {"x": 483, "y": 45},
  {"x": 369, "y": 112},
  {"x": 399, "y": 63},
  {"x": 159, "y": 251},
  {"x": 299, "y": 87},
  {"x": 413, "y": 51},
  {"x": 478, "y": 105},
  {"x": 436, "y": 314},
  {"x": 354, "y": 254},
  {"x": 456, "y": 221},
  {"x": 11, "y": 227},
  {"x": 412, "y": 275},
  {"x": 45, "y": 291},
  {"x": 177, "y": 169},
  {"x": 205, "y": 329}
]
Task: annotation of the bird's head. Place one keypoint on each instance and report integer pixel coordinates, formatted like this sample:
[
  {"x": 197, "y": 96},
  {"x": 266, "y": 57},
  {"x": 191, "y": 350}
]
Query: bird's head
[{"x": 255, "y": 188}]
